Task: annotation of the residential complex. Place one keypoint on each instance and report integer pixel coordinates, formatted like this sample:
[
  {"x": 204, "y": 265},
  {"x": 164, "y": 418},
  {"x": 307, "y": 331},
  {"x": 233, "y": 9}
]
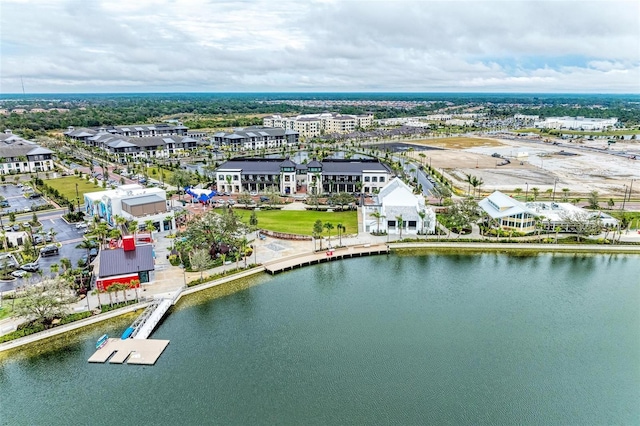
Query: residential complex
[
  {"x": 160, "y": 141},
  {"x": 313, "y": 125},
  {"x": 133, "y": 202},
  {"x": 315, "y": 177},
  {"x": 256, "y": 138},
  {"x": 576, "y": 123},
  {"x": 18, "y": 155}
]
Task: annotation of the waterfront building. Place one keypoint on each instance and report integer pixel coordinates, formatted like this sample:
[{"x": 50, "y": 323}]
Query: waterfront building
[
  {"x": 18, "y": 155},
  {"x": 396, "y": 201},
  {"x": 288, "y": 178},
  {"x": 313, "y": 125},
  {"x": 256, "y": 138},
  {"x": 133, "y": 202},
  {"x": 513, "y": 215},
  {"x": 126, "y": 264}
]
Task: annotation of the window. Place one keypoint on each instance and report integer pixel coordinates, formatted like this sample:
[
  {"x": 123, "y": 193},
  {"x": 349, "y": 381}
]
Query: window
[
  {"x": 220, "y": 177},
  {"x": 374, "y": 179},
  {"x": 367, "y": 179},
  {"x": 381, "y": 178}
]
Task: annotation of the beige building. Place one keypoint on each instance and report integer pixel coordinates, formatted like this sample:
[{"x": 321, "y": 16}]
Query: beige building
[{"x": 313, "y": 125}]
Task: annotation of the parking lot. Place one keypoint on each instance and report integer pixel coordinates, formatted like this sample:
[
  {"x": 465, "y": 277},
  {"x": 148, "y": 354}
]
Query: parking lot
[
  {"x": 66, "y": 235},
  {"x": 17, "y": 198}
]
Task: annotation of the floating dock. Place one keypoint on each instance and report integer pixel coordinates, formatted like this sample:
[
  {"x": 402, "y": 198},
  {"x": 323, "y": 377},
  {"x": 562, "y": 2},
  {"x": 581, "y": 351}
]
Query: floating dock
[
  {"x": 131, "y": 351},
  {"x": 134, "y": 347},
  {"x": 326, "y": 256}
]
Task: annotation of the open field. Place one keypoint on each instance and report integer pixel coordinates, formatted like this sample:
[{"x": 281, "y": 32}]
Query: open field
[
  {"x": 580, "y": 167},
  {"x": 301, "y": 222},
  {"x": 67, "y": 186},
  {"x": 457, "y": 142}
]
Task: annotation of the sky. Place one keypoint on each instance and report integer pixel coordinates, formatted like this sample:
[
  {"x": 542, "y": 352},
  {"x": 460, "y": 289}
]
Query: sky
[{"x": 89, "y": 46}]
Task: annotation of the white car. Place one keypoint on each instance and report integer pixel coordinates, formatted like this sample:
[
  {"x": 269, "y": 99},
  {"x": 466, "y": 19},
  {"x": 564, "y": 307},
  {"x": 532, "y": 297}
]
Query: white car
[
  {"x": 81, "y": 225},
  {"x": 26, "y": 209},
  {"x": 19, "y": 273}
]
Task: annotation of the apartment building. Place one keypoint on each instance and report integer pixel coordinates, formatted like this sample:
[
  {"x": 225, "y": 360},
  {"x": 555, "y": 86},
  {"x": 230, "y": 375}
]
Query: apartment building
[
  {"x": 18, "y": 155},
  {"x": 313, "y": 125},
  {"x": 143, "y": 145},
  {"x": 256, "y": 138}
]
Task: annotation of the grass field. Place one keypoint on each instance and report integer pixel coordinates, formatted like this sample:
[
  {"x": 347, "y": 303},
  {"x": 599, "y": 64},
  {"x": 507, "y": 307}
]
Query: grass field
[
  {"x": 301, "y": 222},
  {"x": 67, "y": 186}
]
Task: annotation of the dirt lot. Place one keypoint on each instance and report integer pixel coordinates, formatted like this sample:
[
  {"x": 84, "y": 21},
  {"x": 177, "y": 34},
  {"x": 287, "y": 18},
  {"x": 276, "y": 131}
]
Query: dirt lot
[{"x": 580, "y": 167}]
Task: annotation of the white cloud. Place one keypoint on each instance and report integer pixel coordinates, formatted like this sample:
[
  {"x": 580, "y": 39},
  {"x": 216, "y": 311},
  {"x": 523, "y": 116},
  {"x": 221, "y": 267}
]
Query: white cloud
[{"x": 209, "y": 45}]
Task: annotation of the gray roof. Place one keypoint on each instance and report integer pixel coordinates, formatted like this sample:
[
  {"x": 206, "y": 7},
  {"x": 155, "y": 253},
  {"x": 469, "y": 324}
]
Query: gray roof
[
  {"x": 138, "y": 201},
  {"x": 120, "y": 262}
]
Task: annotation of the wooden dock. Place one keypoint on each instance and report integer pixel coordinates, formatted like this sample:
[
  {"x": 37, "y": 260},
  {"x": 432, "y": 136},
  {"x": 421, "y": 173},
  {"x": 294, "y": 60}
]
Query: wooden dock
[
  {"x": 325, "y": 256},
  {"x": 131, "y": 351}
]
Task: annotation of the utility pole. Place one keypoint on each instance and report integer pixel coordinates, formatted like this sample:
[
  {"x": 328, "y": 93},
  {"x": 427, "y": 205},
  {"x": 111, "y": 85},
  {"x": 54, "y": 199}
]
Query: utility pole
[{"x": 555, "y": 181}]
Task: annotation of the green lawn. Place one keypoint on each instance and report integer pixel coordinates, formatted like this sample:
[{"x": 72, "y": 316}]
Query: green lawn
[
  {"x": 301, "y": 222},
  {"x": 67, "y": 186}
]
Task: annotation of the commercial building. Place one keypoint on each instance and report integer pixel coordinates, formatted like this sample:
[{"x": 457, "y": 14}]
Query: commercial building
[
  {"x": 127, "y": 264},
  {"x": 133, "y": 202},
  {"x": 514, "y": 215},
  {"x": 18, "y": 155},
  {"x": 313, "y": 125},
  {"x": 316, "y": 177},
  {"x": 396, "y": 209},
  {"x": 255, "y": 138},
  {"x": 576, "y": 123}
]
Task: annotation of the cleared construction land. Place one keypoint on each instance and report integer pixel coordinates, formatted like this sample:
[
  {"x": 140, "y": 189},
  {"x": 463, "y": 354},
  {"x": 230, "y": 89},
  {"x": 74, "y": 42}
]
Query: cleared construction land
[{"x": 582, "y": 167}]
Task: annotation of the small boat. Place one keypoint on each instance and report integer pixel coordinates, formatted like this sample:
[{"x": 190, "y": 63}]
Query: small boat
[
  {"x": 127, "y": 333},
  {"x": 102, "y": 341}
]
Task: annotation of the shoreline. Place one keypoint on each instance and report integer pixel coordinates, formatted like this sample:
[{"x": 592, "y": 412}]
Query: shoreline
[{"x": 467, "y": 247}]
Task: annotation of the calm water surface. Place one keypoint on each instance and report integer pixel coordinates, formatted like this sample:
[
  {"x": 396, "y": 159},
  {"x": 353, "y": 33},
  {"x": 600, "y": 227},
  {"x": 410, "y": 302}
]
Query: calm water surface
[{"x": 403, "y": 339}]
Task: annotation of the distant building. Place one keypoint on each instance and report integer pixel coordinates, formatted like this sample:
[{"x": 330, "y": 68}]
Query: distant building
[
  {"x": 133, "y": 202},
  {"x": 576, "y": 123},
  {"x": 397, "y": 200},
  {"x": 313, "y": 125},
  {"x": 316, "y": 177},
  {"x": 256, "y": 138},
  {"x": 18, "y": 155}
]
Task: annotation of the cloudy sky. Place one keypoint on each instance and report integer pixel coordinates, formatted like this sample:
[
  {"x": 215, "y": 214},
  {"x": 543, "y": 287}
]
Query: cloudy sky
[{"x": 76, "y": 46}]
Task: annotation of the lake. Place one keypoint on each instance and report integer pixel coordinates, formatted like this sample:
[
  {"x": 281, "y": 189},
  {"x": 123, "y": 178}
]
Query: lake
[{"x": 413, "y": 338}]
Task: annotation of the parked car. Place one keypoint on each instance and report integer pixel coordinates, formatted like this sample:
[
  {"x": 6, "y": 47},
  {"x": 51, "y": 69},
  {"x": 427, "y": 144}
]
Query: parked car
[
  {"x": 81, "y": 225},
  {"x": 19, "y": 273},
  {"x": 93, "y": 253},
  {"x": 26, "y": 209},
  {"x": 35, "y": 195},
  {"x": 37, "y": 239},
  {"x": 4, "y": 203},
  {"x": 253, "y": 193},
  {"x": 30, "y": 267},
  {"x": 84, "y": 260},
  {"x": 15, "y": 227},
  {"x": 264, "y": 198},
  {"x": 50, "y": 250},
  {"x": 230, "y": 202}
]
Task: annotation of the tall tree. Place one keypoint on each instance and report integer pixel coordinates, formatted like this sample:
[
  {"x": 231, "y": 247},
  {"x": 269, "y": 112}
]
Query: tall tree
[{"x": 45, "y": 302}]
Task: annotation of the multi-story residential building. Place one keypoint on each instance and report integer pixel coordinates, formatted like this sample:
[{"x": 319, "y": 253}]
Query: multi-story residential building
[
  {"x": 133, "y": 202},
  {"x": 144, "y": 145},
  {"x": 288, "y": 178},
  {"x": 313, "y": 125},
  {"x": 256, "y": 138},
  {"x": 576, "y": 123},
  {"x": 18, "y": 155}
]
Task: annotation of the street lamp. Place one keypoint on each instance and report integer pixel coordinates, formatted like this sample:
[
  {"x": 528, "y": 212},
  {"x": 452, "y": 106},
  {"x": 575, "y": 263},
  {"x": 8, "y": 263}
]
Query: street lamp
[
  {"x": 555, "y": 181},
  {"x": 630, "y": 188},
  {"x": 624, "y": 198},
  {"x": 77, "y": 197},
  {"x": 526, "y": 193}
]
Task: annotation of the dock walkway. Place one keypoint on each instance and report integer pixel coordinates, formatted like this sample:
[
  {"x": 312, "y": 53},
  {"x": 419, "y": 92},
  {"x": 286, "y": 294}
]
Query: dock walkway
[{"x": 325, "y": 256}]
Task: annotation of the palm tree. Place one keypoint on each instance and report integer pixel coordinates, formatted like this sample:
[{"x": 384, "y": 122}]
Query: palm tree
[
  {"x": 377, "y": 215},
  {"x": 54, "y": 268},
  {"x": 400, "y": 224},
  {"x": 422, "y": 215},
  {"x": 132, "y": 226},
  {"x": 121, "y": 222},
  {"x": 536, "y": 191},
  {"x": 97, "y": 293},
  {"x": 329, "y": 226},
  {"x": 243, "y": 248},
  {"x": 66, "y": 264},
  {"x": 341, "y": 228}
]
